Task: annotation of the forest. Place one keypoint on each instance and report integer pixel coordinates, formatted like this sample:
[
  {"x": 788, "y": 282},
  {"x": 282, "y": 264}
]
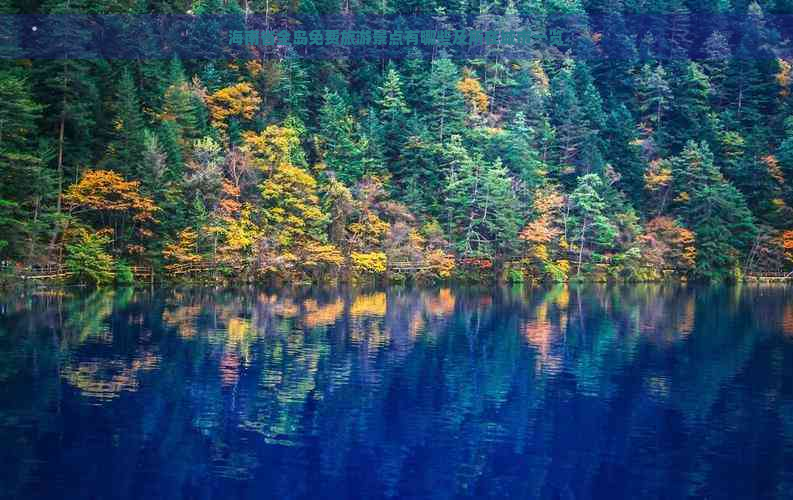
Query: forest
[{"x": 671, "y": 160}]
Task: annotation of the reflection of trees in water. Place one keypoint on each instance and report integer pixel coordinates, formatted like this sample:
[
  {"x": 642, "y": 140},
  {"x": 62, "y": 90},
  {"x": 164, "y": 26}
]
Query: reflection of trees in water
[
  {"x": 106, "y": 378},
  {"x": 463, "y": 380},
  {"x": 787, "y": 320}
]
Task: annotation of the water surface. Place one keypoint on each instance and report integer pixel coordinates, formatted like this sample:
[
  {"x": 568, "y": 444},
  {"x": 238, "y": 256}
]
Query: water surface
[{"x": 561, "y": 393}]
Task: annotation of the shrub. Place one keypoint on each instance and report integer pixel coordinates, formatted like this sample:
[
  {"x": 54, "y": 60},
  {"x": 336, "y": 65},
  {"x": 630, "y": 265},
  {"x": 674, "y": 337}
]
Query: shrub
[
  {"x": 87, "y": 259},
  {"x": 371, "y": 262},
  {"x": 558, "y": 271},
  {"x": 124, "y": 274}
]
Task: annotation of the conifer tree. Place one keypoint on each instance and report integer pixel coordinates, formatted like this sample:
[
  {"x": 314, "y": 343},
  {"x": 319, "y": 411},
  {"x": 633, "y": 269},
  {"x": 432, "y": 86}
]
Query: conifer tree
[
  {"x": 481, "y": 206},
  {"x": 126, "y": 150},
  {"x": 714, "y": 209},
  {"x": 393, "y": 114},
  {"x": 447, "y": 107},
  {"x": 341, "y": 143}
]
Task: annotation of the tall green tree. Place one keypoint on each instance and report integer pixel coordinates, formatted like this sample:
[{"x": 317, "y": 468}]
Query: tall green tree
[
  {"x": 714, "y": 209},
  {"x": 447, "y": 107},
  {"x": 126, "y": 149},
  {"x": 481, "y": 207},
  {"x": 590, "y": 225},
  {"x": 393, "y": 114},
  {"x": 342, "y": 148}
]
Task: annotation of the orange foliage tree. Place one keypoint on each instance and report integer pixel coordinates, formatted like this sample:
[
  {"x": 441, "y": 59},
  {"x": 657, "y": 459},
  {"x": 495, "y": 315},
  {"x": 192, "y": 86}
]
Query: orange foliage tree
[
  {"x": 668, "y": 245},
  {"x": 183, "y": 253},
  {"x": 470, "y": 87},
  {"x": 103, "y": 199},
  {"x": 543, "y": 230},
  {"x": 787, "y": 244}
]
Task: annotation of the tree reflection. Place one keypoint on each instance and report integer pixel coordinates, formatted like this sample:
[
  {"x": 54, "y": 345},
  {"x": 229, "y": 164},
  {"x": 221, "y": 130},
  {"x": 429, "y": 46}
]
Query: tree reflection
[{"x": 454, "y": 392}]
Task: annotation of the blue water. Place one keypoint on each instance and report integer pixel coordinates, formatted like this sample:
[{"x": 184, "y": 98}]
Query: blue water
[{"x": 659, "y": 392}]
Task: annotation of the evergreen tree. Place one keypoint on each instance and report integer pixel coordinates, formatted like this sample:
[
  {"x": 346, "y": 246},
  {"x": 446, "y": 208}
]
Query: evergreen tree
[
  {"x": 126, "y": 150},
  {"x": 292, "y": 87},
  {"x": 180, "y": 105},
  {"x": 341, "y": 145},
  {"x": 590, "y": 226},
  {"x": 23, "y": 183},
  {"x": 393, "y": 114},
  {"x": 624, "y": 151},
  {"x": 447, "y": 107},
  {"x": 654, "y": 98},
  {"x": 714, "y": 209},
  {"x": 571, "y": 128},
  {"x": 482, "y": 209}
]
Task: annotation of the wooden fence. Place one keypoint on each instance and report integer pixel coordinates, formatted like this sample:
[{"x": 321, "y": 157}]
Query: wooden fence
[
  {"x": 409, "y": 267},
  {"x": 55, "y": 271},
  {"x": 770, "y": 275}
]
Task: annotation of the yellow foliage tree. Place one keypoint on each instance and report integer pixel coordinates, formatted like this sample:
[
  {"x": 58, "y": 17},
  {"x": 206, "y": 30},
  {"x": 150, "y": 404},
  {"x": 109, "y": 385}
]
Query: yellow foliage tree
[
  {"x": 543, "y": 229},
  {"x": 667, "y": 244},
  {"x": 783, "y": 78},
  {"x": 291, "y": 214},
  {"x": 271, "y": 147},
  {"x": 369, "y": 262},
  {"x": 292, "y": 204},
  {"x": 658, "y": 181},
  {"x": 240, "y": 100},
  {"x": 540, "y": 77},
  {"x": 183, "y": 253},
  {"x": 442, "y": 263},
  {"x": 471, "y": 89},
  {"x": 234, "y": 225},
  {"x": 774, "y": 169},
  {"x": 787, "y": 244}
]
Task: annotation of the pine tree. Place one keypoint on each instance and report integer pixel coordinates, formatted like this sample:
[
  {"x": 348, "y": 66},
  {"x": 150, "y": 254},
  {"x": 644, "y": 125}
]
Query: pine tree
[
  {"x": 714, "y": 209},
  {"x": 179, "y": 103},
  {"x": 515, "y": 148},
  {"x": 594, "y": 116},
  {"x": 481, "y": 208},
  {"x": 126, "y": 149},
  {"x": 623, "y": 149},
  {"x": 169, "y": 139},
  {"x": 590, "y": 226},
  {"x": 66, "y": 85},
  {"x": 614, "y": 70},
  {"x": 292, "y": 87},
  {"x": 717, "y": 54},
  {"x": 572, "y": 131},
  {"x": 341, "y": 145},
  {"x": 654, "y": 98},
  {"x": 447, "y": 107},
  {"x": 415, "y": 78},
  {"x": 690, "y": 105},
  {"x": 393, "y": 114},
  {"x": 22, "y": 170}
]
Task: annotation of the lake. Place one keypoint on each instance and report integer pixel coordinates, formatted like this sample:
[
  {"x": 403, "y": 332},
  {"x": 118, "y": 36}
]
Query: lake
[{"x": 612, "y": 392}]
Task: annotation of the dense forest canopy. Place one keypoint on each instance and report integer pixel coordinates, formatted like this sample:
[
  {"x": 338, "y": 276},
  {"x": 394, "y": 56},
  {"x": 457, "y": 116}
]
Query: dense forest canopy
[{"x": 675, "y": 157}]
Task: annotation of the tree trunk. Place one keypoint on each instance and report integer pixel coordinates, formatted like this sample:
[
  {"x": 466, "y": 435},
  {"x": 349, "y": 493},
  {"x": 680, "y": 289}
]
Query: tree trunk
[
  {"x": 60, "y": 181},
  {"x": 581, "y": 248}
]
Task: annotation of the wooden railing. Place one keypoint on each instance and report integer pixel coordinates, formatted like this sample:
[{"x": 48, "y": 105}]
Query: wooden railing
[
  {"x": 199, "y": 268},
  {"x": 770, "y": 274},
  {"x": 407, "y": 266},
  {"x": 43, "y": 272},
  {"x": 59, "y": 271}
]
